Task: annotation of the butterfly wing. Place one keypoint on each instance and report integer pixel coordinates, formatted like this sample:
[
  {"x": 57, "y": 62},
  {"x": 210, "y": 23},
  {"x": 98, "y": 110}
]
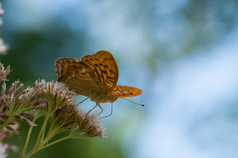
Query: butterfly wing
[
  {"x": 77, "y": 76},
  {"x": 104, "y": 67},
  {"x": 125, "y": 91}
]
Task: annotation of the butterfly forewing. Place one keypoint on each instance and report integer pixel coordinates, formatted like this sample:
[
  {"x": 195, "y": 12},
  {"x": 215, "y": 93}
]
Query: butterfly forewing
[
  {"x": 104, "y": 67},
  {"x": 77, "y": 76},
  {"x": 125, "y": 91}
]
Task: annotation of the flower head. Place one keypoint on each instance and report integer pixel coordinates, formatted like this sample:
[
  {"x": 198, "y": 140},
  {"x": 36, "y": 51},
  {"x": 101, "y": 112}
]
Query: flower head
[
  {"x": 90, "y": 125},
  {"x": 52, "y": 95},
  {"x": 66, "y": 117},
  {"x": 70, "y": 118},
  {"x": 2, "y": 151},
  {"x": 61, "y": 94},
  {"x": 3, "y": 72},
  {"x": 13, "y": 106}
]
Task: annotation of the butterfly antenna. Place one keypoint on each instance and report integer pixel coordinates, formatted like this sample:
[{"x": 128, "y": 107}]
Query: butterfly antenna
[
  {"x": 82, "y": 101},
  {"x": 109, "y": 114},
  {"x": 133, "y": 102}
]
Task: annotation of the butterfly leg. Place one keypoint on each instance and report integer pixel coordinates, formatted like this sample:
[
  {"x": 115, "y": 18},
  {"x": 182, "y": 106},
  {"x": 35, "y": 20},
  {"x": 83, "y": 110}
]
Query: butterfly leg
[
  {"x": 109, "y": 114},
  {"x": 100, "y": 108},
  {"x": 92, "y": 109},
  {"x": 82, "y": 101}
]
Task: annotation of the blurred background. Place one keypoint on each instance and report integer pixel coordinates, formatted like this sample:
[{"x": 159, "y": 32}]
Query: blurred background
[{"x": 183, "y": 54}]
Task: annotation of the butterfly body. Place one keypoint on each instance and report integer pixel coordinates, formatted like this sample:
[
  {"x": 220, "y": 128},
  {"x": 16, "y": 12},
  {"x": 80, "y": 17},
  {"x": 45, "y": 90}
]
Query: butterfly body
[
  {"x": 95, "y": 76},
  {"x": 100, "y": 98}
]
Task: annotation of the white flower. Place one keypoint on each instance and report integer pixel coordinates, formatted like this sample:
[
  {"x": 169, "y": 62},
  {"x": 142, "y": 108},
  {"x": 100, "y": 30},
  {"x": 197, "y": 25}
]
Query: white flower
[{"x": 2, "y": 151}]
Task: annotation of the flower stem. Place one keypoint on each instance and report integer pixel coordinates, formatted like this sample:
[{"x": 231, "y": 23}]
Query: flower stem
[
  {"x": 29, "y": 135},
  {"x": 40, "y": 138},
  {"x": 42, "y": 130},
  {"x": 5, "y": 124},
  {"x": 58, "y": 140}
]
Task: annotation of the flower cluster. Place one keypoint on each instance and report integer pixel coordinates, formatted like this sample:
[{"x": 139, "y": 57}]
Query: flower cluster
[
  {"x": 45, "y": 97},
  {"x": 69, "y": 117},
  {"x": 15, "y": 104},
  {"x": 60, "y": 96},
  {"x": 66, "y": 114},
  {"x": 50, "y": 99},
  {"x": 3, "y": 47},
  {"x": 90, "y": 125}
]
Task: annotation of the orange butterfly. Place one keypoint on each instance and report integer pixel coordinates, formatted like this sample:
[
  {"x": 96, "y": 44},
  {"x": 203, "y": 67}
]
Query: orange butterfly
[{"x": 95, "y": 76}]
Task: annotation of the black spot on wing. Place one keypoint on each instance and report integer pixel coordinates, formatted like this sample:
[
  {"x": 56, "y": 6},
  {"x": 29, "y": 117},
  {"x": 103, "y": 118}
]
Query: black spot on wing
[
  {"x": 105, "y": 72},
  {"x": 75, "y": 67},
  {"x": 112, "y": 72}
]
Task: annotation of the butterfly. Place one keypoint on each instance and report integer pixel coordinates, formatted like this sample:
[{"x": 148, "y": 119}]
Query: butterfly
[{"x": 94, "y": 76}]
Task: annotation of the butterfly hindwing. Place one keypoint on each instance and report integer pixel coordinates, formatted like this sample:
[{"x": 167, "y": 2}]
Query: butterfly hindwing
[
  {"x": 77, "y": 76},
  {"x": 125, "y": 91},
  {"x": 105, "y": 68}
]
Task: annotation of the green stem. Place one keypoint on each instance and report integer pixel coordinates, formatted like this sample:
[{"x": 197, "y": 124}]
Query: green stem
[
  {"x": 42, "y": 130},
  {"x": 5, "y": 123},
  {"x": 71, "y": 135},
  {"x": 47, "y": 145},
  {"x": 59, "y": 140},
  {"x": 49, "y": 136},
  {"x": 11, "y": 116},
  {"x": 29, "y": 135},
  {"x": 78, "y": 136},
  {"x": 30, "y": 153},
  {"x": 39, "y": 139}
]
